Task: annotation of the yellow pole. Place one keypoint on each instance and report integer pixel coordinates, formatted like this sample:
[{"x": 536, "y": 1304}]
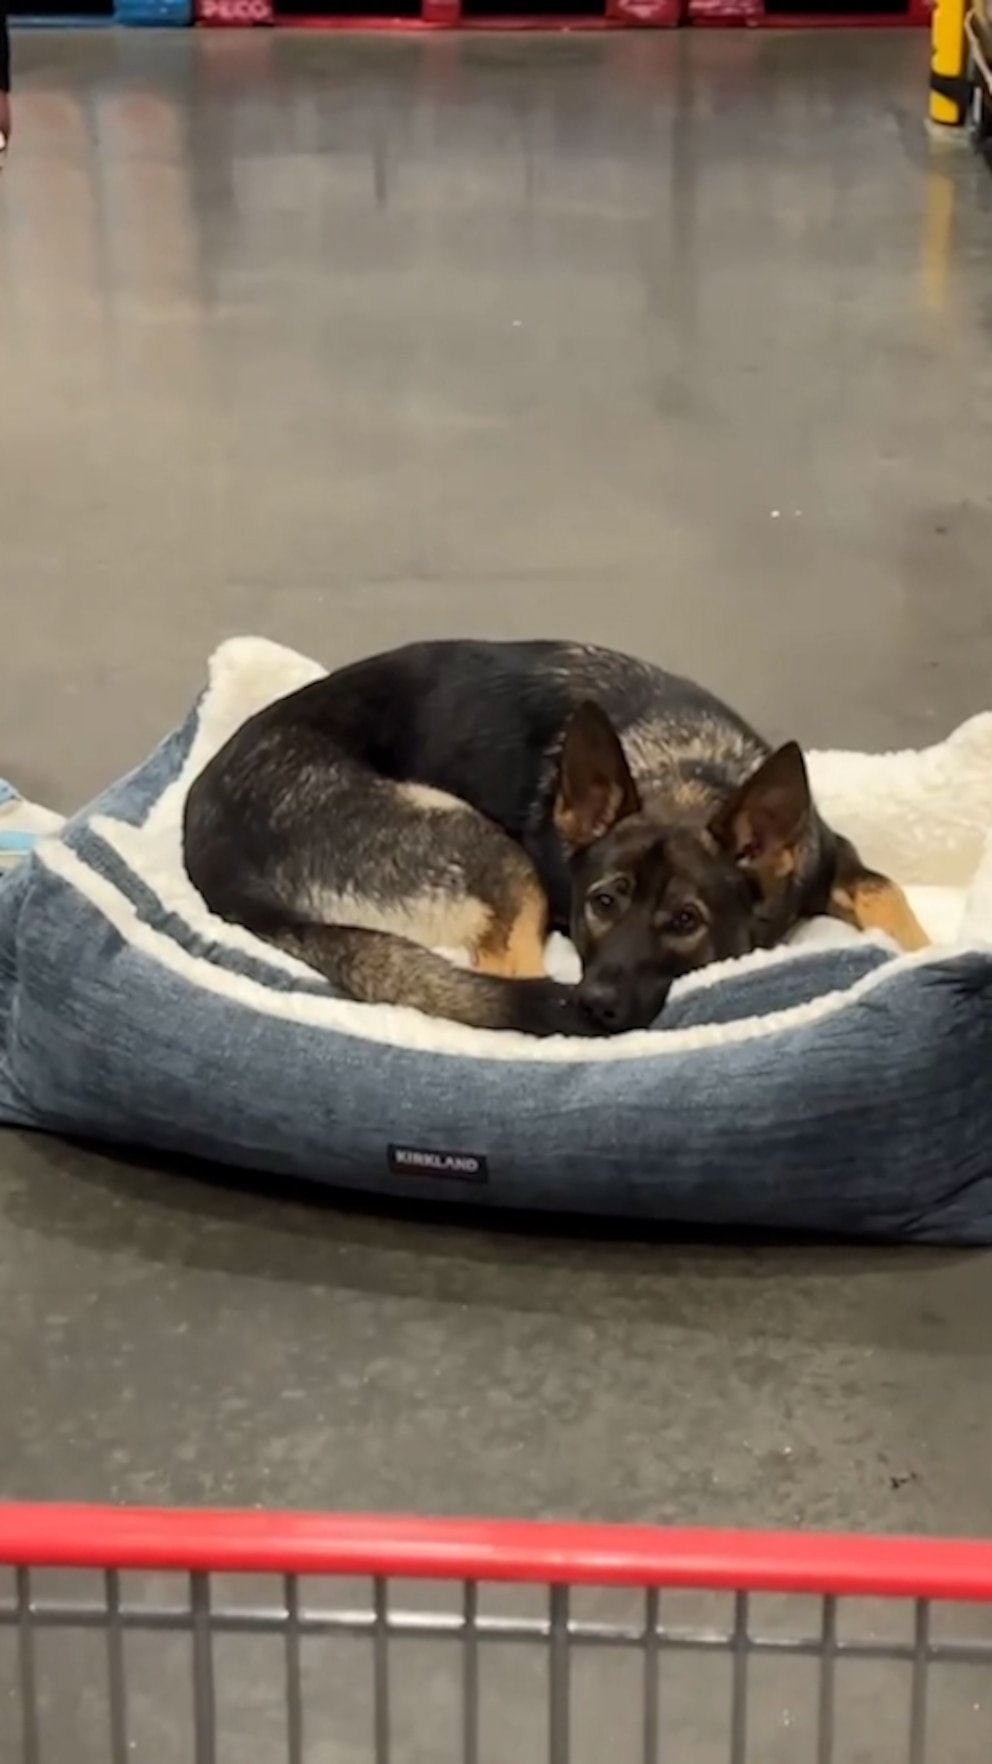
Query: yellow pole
[{"x": 948, "y": 57}]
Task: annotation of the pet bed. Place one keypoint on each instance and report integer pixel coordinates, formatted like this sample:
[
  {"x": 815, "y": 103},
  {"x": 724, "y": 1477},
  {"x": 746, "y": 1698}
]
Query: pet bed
[{"x": 834, "y": 1086}]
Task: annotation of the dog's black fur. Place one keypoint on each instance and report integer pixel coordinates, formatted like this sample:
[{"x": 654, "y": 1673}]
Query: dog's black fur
[{"x": 470, "y": 795}]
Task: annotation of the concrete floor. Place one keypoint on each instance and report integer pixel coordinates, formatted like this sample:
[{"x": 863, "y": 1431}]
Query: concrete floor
[{"x": 676, "y": 344}]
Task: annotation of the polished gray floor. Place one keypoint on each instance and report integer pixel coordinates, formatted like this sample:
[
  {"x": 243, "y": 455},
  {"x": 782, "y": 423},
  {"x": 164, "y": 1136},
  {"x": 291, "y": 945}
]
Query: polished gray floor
[{"x": 679, "y": 344}]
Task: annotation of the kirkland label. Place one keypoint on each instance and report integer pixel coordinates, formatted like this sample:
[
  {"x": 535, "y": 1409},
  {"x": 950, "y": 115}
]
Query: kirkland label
[{"x": 420, "y": 1160}]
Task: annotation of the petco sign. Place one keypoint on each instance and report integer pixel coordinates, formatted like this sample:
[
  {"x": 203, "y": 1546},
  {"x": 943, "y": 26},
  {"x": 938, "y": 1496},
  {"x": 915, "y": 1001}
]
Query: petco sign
[{"x": 234, "y": 12}]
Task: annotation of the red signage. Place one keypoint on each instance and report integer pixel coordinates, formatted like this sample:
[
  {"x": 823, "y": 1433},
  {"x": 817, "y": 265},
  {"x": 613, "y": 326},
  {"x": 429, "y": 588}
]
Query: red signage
[{"x": 234, "y": 12}]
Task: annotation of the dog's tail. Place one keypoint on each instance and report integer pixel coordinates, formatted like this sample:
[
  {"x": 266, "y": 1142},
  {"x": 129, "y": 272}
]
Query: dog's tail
[{"x": 377, "y": 967}]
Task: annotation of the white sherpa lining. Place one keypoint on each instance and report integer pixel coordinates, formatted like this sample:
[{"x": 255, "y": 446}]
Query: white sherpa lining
[{"x": 924, "y": 818}]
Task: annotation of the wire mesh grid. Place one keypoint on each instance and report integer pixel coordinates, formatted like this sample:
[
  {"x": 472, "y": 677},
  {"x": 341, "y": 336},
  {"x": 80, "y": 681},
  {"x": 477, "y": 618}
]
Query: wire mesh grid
[{"x": 559, "y": 1658}]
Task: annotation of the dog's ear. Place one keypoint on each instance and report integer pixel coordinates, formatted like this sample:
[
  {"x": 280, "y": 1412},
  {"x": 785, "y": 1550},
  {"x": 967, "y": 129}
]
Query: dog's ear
[
  {"x": 595, "y": 788},
  {"x": 765, "y": 823}
]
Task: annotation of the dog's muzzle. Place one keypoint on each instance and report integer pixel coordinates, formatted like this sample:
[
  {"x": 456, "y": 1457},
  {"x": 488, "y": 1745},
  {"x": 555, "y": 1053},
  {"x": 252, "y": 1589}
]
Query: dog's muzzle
[{"x": 617, "y": 1003}]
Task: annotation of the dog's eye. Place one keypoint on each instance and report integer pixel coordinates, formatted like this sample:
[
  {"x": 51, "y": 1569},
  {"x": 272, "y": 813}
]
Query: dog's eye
[
  {"x": 687, "y": 920},
  {"x": 609, "y": 898}
]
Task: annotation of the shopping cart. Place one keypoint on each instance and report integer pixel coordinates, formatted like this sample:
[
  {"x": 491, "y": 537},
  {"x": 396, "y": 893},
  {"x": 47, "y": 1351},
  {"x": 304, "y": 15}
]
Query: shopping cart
[{"x": 203, "y": 1638}]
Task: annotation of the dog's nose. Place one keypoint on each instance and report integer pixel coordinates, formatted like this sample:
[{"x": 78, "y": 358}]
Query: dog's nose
[
  {"x": 617, "y": 1007},
  {"x": 605, "y": 1004}
]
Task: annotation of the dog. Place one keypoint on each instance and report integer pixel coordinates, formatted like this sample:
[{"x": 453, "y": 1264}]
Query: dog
[{"x": 473, "y": 795}]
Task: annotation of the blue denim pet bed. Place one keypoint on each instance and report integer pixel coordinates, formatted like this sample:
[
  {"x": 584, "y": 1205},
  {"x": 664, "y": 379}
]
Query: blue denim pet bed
[{"x": 834, "y": 1086}]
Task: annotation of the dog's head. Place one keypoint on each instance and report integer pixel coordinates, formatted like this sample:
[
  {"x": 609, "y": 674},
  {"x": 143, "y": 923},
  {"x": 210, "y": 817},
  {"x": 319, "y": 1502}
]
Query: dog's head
[{"x": 653, "y": 897}]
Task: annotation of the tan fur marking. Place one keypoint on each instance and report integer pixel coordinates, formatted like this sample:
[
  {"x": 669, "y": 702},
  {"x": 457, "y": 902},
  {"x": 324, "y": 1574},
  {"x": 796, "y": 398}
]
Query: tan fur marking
[
  {"x": 424, "y": 796},
  {"x": 529, "y": 934},
  {"x": 566, "y": 821},
  {"x": 516, "y": 951},
  {"x": 576, "y": 829},
  {"x": 437, "y": 919},
  {"x": 658, "y": 748},
  {"x": 876, "y": 904},
  {"x": 771, "y": 870},
  {"x": 783, "y": 865},
  {"x": 691, "y": 796}
]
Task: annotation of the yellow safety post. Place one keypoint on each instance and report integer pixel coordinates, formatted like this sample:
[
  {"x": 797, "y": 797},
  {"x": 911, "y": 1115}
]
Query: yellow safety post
[{"x": 948, "y": 62}]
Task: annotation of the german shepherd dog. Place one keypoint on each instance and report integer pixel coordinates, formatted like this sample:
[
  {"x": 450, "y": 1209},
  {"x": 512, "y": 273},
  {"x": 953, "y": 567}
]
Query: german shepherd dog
[{"x": 470, "y": 795}]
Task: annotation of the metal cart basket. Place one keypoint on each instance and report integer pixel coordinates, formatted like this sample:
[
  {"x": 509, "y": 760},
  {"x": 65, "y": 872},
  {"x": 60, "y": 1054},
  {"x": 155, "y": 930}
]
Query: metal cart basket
[{"x": 205, "y": 1638}]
